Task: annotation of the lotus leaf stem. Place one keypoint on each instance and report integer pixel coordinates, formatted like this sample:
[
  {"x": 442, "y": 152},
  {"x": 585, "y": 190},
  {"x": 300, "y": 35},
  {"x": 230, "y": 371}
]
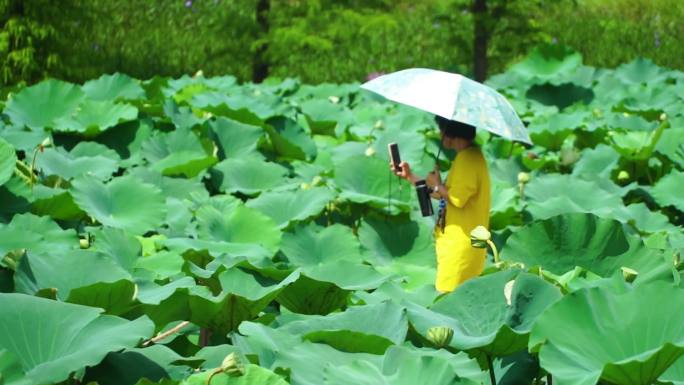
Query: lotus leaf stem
[
  {"x": 167, "y": 333},
  {"x": 492, "y": 376},
  {"x": 495, "y": 251}
]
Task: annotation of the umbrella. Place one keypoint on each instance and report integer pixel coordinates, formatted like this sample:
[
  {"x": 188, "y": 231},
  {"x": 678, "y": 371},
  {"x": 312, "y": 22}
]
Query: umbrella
[{"x": 454, "y": 97}]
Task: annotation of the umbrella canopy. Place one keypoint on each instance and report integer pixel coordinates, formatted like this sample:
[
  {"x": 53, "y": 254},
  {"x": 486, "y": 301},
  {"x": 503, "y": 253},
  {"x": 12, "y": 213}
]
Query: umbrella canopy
[{"x": 454, "y": 97}]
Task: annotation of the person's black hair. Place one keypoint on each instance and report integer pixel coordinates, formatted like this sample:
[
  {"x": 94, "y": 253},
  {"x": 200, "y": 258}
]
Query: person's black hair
[{"x": 454, "y": 129}]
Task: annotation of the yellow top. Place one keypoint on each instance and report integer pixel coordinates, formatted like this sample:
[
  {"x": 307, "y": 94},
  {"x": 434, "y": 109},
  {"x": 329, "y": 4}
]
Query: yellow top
[{"x": 467, "y": 207}]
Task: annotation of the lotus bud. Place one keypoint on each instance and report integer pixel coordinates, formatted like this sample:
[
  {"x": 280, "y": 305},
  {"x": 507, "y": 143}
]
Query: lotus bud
[
  {"x": 531, "y": 155},
  {"x": 370, "y": 151},
  {"x": 84, "y": 243},
  {"x": 305, "y": 186},
  {"x": 663, "y": 117},
  {"x": 623, "y": 176},
  {"x": 232, "y": 365},
  {"x": 378, "y": 124},
  {"x": 440, "y": 336},
  {"x": 334, "y": 99},
  {"x": 479, "y": 237},
  {"x": 523, "y": 177},
  {"x": 508, "y": 291},
  {"x": 317, "y": 180},
  {"x": 629, "y": 274}
]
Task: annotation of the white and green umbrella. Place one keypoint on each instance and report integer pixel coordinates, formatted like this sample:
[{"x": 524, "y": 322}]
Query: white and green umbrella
[{"x": 454, "y": 97}]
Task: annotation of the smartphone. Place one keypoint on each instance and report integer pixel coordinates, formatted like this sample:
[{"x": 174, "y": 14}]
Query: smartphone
[{"x": 393, "y": 149}]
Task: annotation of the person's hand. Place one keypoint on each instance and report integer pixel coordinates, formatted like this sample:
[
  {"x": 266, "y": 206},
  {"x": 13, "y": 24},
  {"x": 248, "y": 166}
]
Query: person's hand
[
  {"x": 404, "y": 172},
  {"x": 434, "y": 178}
]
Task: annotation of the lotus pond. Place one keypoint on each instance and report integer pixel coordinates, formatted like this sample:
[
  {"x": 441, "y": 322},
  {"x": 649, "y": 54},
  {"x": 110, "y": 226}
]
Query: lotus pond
[{"x": 260, "y": 226}]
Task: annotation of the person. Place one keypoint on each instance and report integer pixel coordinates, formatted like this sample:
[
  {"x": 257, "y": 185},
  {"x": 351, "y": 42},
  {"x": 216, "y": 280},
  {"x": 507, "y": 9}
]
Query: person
[{"x": 464, "y": 205}]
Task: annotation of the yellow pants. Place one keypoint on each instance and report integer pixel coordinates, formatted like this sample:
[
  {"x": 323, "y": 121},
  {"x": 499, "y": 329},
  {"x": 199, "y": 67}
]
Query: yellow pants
[{"x": 457, "y": 260}]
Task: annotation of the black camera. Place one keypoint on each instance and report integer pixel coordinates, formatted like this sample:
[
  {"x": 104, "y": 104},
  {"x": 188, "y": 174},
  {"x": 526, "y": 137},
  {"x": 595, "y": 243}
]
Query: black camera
[{"x": 424, "y": 198}]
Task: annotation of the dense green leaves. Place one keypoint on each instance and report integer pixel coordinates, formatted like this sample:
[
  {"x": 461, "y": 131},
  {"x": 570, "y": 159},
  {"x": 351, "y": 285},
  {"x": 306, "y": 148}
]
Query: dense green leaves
[
  {"x": 50, "y": 340},
  {"x": 7, "y": 160}
]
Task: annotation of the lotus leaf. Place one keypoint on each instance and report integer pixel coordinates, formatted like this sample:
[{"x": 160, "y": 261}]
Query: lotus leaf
[
  {"x": 372, "y": 185},
  {"x": 290, "y": 206},
  {"x": 113, "y": 87},
  {"x": 38, "y": 106},
  {"x": 249, "y": 176},
  {"x": 289, "y": 139},
  {"x": 7, "y": 160},
  {"x": 399, "y": 367},
  {"x": 106, "y": 285},
  {"x": 596, "y": 342},
  {"x": 369, "y": 329},
  {"x": 241, "y": 225},
  {"x": 243, "y": 296},
  {"x": 35, "y": 234},
  {"x": 667, "y": 192},
  {"x": 565, "y": 241},
  {"x": 324, "y": 288},
  {"x": 34, "y": 332},
  {"x": 313, "y": 245},
  {"x": 408, "y": 241},
  {"x": 92, "y": 117},
  {"x": 548, "y": 62},
  {"x": 177, "y": 153},
  {"x": 254, "y": 375},
  {"x": 123, "y": 203},
  {"x": 487, "y": 314},
  {"x": 237, "y": 140},
  {"x": 79, "y": 161}
]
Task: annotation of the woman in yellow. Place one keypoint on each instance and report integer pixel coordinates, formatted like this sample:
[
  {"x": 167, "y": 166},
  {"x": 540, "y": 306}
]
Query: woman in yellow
[{"x": 466, "y": 199}]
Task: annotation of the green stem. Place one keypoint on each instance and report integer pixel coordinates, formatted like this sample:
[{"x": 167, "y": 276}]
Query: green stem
[
  {"x": 492, "y": 376},
  {"x": 33, "y": 163},
  {"x": 549, "y": 379},
  {"x": 495, "y": 251}
]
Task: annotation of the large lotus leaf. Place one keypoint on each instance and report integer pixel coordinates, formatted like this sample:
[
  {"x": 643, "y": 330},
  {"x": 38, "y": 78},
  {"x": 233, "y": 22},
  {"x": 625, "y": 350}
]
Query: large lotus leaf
[
  {"x": 411, "y": 148},
  {"x": 670, "y": 143},
  {"x": 123, "y": 203},
  {"x": 639, "y": 71},
  {"x": 289, "y": 139},
  {"x": 565, "y": 241},
  {"x": 561, "y": 95},
  {"x": 369, "y": 329},
  {"x": 549, "y": 61},
  {"x": 254, "y": 375},
  {"x": 237, "y": 140},
  {"x": 408, "y": 241},
  {"x": 289, "y": 206},
  {"x": 33, "y": 329},
  {"x": 417, "y": 370},
  {"x": 621, "y": 337},
  {"x": 250, "y": 176},
  {"x": 35, "y": 234},
  {"x": 674, "y": 374},
  {"x": 367, "y": 180},
  {"x": 93, "y": 117},
  {"x": 462, "y": 365},
  {"x": 21, "y": 137},
  {"x": 551, "y": 131},
  {"x": 163, "y": 265},
  {"x": 596, "y": 163},
  {"x": 40, "y": 105},
  {"x": 556, "y": 194},
  {"x": 244, "y": 295},
  {"x": 493, "y": 314},
  {"x": 77, "y": 162},
  {"x": 305, "y": 360},
  {"x": 255, "y": 253},
  {"x": 240, "y": 225},
  {"x": 173, "y": 187},
  {"x": 124, "y": 248},
  {"x": 312, "y": 245},
  {"x": 644, "y": 219},
  {"x": 324, "y": 116},
  {"x": 505, "y": 207},
  {"x": 106, "y": 285},
  {"x": 324, "y": 288},
  {"x": 8, "y": 158},
  {"x": 179, "y": 152},
  {"x": 183, "y": 118},
  {"x": 129, "y": 367},
  {"x": 113, "y": 87},
  {"x": 667, "y": 192}
]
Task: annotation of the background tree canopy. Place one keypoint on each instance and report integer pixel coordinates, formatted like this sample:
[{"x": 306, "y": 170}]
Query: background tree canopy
[{"x": 321, "y": 40}]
